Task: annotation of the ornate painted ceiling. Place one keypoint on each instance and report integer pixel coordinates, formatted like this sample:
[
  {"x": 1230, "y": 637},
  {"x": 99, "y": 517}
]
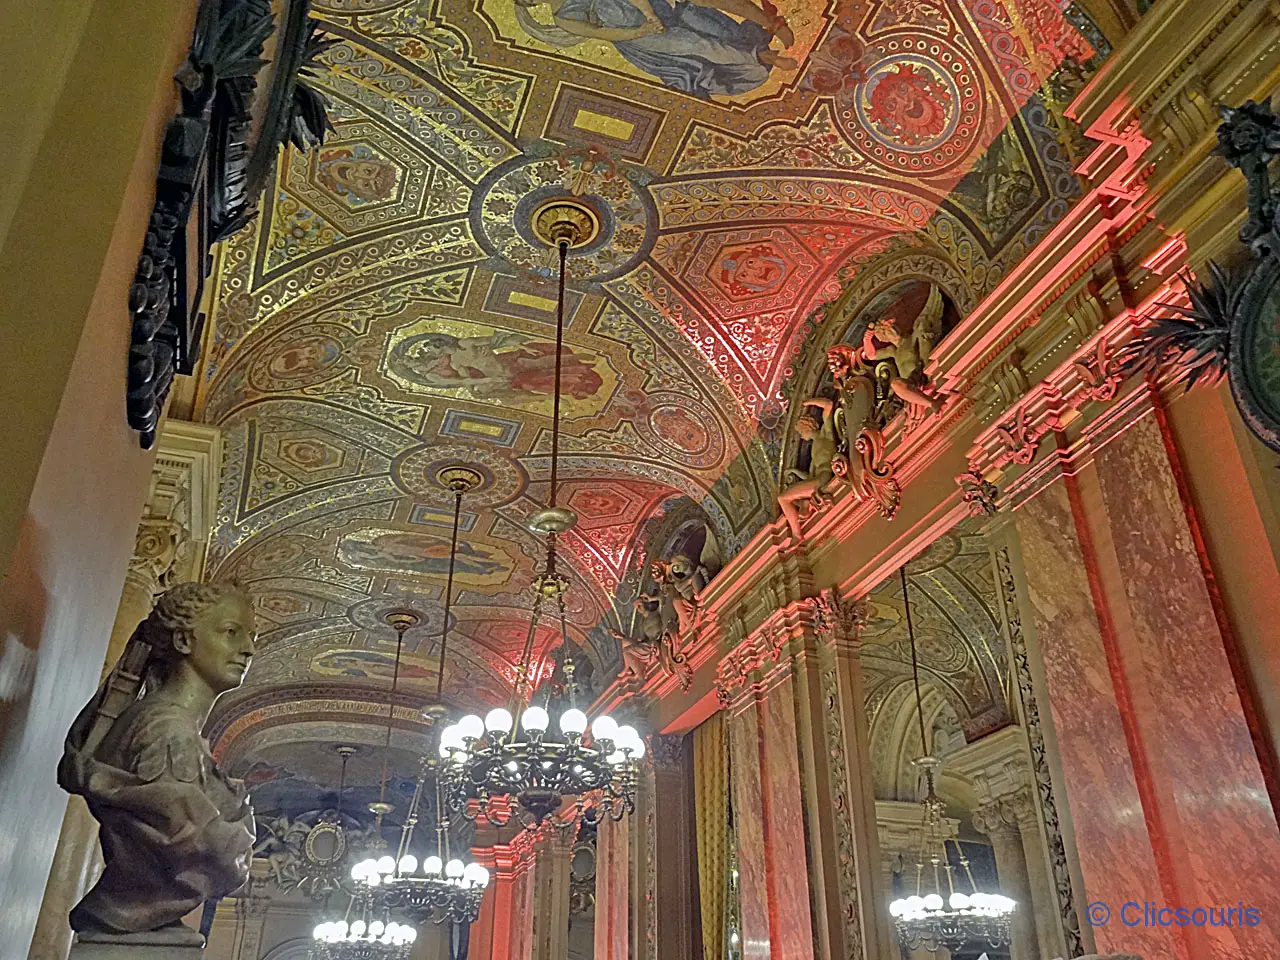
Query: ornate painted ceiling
[{"x": 391, "y": 314}]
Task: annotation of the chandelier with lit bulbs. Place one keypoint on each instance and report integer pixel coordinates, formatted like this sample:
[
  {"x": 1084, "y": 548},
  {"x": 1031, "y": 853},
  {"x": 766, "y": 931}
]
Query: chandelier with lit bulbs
[
  {"x": 446, "y": 889},
  {"x": 519, "y": 753},
  {"x": 941, "y": 915},
  {"x": 370, "y": 934}
]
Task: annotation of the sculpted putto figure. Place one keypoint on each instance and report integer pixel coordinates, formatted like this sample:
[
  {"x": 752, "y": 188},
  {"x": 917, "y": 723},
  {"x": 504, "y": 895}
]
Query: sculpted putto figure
[
  {"x": 175, "y": 830},
  {"x": 812, "y": 487},
  {"x": 910, "y": 353}
]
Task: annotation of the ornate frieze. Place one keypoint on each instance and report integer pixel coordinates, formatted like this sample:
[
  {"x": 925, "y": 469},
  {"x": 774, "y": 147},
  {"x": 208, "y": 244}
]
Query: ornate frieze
[{"x": 838, "y": 776}]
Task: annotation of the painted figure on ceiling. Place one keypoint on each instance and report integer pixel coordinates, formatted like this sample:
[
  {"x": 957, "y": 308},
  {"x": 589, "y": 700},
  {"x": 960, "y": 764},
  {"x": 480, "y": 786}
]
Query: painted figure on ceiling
[
  {"x": 498, "y": 365},
  {"x": 700, "y": 47},
  {"x": 176, "y": 831},
  {"x": 355, "y": 173},
  {"x": 304, "y": 356},
  {"x": 421, "y": 553},
  {"x": 754, "y": 271}
]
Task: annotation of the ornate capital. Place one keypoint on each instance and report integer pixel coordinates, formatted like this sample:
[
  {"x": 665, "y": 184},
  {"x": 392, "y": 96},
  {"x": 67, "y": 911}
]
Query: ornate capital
[
  {"x": 159, "y": 543},
  {"x": 836, "y": 616},
  {"x": 1007, "y": 814},
  {"x": 667, "y": 751}
]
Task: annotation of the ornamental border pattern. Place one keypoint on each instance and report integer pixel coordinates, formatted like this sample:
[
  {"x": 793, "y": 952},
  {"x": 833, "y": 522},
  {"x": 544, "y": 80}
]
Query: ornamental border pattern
[
  {"x": 1070, "y": 920},
  {"x": 847, "y": 865}
]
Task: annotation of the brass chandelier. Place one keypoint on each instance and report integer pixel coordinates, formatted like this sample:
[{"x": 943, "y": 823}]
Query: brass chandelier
[
  {"x": 941, "y": 915},
  {"x": 446, "y": 889},
  {"x": 516, "y": 753}
]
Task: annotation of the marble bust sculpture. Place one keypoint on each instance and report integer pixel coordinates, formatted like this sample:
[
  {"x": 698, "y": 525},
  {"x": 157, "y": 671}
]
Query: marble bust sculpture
[{"x": 175, "y": 830}]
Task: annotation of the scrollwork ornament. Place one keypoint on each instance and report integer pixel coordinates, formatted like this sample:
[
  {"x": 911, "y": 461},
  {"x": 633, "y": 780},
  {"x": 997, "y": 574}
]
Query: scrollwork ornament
[{"x": 979, "y": 493}]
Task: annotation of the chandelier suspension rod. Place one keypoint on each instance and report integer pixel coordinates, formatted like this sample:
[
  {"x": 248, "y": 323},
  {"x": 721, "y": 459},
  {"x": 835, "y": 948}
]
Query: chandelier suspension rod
[
  {"x": 915, "y": 668},
  {"x": 342, "y": 779},
  {"x": 448, "y": 590},
  {"x": 555, "y": 403},
  {"x": 391, "y": 709}
]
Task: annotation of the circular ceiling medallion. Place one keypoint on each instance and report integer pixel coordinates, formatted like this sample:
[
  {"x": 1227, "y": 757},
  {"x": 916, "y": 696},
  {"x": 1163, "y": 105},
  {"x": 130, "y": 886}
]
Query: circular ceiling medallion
[
  {"x": 459, "y": 479},
  {"x": 428, "y": 472},
  {"x": 526, "y": 203},
  {"x": 684, "y": 428},
  {"x": 919, "y": 110},
  {"x": 379, "y": 614}
]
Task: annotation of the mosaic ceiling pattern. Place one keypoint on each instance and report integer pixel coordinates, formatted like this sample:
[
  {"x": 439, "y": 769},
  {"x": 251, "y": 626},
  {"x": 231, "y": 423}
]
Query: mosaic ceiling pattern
[{"x": 392, "y": 314}]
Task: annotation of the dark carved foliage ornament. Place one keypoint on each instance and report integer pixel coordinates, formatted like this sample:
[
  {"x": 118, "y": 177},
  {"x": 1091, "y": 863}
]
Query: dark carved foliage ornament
[
  {"x": 218, "y": 154},
  {"x": 1232, "y": 326}
]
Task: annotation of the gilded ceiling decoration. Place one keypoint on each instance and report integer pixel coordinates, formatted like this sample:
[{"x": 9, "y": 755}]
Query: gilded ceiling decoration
[{"x": 391, "y": 312}]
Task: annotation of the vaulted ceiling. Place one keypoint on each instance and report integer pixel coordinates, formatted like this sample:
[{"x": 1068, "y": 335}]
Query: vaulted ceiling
[{"x": 391, "y": 313}]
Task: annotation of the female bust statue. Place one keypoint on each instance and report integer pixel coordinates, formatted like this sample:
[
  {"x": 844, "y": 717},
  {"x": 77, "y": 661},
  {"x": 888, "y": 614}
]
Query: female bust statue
[{"x": 175, "y": 830}]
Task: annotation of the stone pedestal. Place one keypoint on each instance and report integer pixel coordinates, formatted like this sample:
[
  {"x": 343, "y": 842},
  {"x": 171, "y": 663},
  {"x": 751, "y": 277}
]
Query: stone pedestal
[{"x": 99, "y": 950}]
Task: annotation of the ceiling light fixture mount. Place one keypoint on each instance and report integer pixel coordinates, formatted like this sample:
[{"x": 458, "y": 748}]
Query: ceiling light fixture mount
[{"x": 566, "y": 219}]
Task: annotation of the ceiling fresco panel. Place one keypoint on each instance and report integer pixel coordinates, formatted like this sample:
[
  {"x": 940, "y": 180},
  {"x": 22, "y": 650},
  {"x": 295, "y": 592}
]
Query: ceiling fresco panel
[{"x": 392, "y": 314}]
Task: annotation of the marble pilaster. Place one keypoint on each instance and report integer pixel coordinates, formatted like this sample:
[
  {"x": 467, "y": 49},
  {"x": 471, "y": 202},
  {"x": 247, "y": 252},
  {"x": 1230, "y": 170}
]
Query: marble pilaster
[
  {"x": 613, "y": 890},
  {"x": 999, "y": 767},
  {"x": 1114, "y": 851},
  {"x": 998, "y": 820},
  {"x": 1174, "y": 652},
  {"x": 549, "y": 906},
  {"x": 899, "y": 835},
  {"x": 675, "y": 851}
]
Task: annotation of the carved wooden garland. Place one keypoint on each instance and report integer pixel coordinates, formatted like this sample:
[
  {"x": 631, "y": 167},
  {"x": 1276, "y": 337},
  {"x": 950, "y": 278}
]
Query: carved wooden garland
[{"x": 211, "y": 175}]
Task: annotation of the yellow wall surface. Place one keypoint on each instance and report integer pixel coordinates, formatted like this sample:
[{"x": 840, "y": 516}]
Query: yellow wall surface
[{"x": 85, "y": 140}]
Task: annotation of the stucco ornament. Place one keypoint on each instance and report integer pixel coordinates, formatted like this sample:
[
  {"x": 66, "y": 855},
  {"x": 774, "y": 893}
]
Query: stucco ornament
[{"x": 175, "y": 830}]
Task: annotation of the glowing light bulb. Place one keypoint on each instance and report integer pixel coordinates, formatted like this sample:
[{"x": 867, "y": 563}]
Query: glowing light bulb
[
  {"x": 471, "y": 727},
  {"x": 573, "y": 722},
  {"x": 408, "y": 864},
  {"x": 453, "y": 869},
  {"x": 376, "y": 928},
  {"x": 476, "y": 875},
  {"x": 451, "y": 737},
  {"x": 535, "y": 719},
  {"x": 358, "y": 928},
  {"x": 498, "y": 720},
  {"x": 933, "y": 902},
  {"x": 386, "y": 864},
  {"x": 604, "y": 727},
  {"x": 432, "y": 866}
]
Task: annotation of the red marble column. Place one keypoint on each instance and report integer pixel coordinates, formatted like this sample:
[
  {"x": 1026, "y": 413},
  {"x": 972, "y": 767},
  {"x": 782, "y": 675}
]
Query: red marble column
[
  {"x": 497, "y": 933},
  {"x": 1209, "y": 795},
  {"x": 750, "y": 814},
  {"x": 1165, "y": 788},
  {"x": 1117, "y": 861},
  {"x": 808, "y": 855},
  {"x": 769, "y": 818},
  {"x": 613, "y": 896}
]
